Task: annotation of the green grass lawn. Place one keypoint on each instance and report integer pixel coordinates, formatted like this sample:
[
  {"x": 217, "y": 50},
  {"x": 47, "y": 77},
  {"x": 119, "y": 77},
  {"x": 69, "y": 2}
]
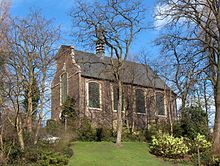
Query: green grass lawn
[{"x": 107, "y": 154}]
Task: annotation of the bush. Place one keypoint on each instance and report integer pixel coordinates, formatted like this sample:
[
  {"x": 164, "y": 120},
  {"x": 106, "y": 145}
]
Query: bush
[
  {"x": 201, "y": 150},
  {"x": 43, "y": 155},
  {"x": 86, "y": 132},
  {"x": 54, "y": 128},
  {"x": 64, "y": 145},
  {"x": 193, "y": 121},
  {"x": 69, "y": 113},
  {"x": 137, "y": 135},
  {"x": 68, "y": 152},
  {"x": 207, "y": 158},
  {"x": 15, "y": 154},
  {"x": 99, "y": 134},
  {"x": 201, "y": 143},
  {"x": 151, "y": 131},
  {"x": 105, "y": 134},
  {"x": 168, "y": 146}
]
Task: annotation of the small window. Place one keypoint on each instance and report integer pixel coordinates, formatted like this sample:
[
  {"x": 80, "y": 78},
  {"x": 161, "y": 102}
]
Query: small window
[
  {"x": 160, "y": 104},
  {"x": 94, "y": 95},
  {"x": 116, "y": 98},
  {"x": 140, "y": 101},
  {"x": 63, "y": 87}
]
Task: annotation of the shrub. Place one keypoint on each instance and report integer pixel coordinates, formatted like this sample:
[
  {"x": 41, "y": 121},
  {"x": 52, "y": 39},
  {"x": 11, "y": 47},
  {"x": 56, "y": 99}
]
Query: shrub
[
  {"x": 168, "y": 146},
  {"x": 15, "y": 154},
  {"x": 207, "y": 158},
  {"x": 46, "y": 158},
  {"x": 99, "y": 134},
  {"x": 201, "y": 143},
  {"x": 105, "y": 134},
  {"x": 193, "y": 121},
  {"x": 149, "y": 132},
  {"x": 86, "y": 132},
  {"x": 137, "y": 135},
  {"x": 68, "y": 112},
  {"x": 43, "y": 155},
  {"x": 201, "y": 149},
  {"x": 63, "y": 146},
  {"x": 54, "y": 128},
  {"x": 68, "y": 152}
]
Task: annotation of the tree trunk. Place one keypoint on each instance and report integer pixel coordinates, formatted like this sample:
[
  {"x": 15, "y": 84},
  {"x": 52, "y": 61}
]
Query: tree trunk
[
  {"x": 40, "y": 117},
  {"x": 216, "y": 134},
  {"x": 183, "y": 98},
  {"x": 206, "y": 104},
  {"x": 199, "y": 158},
  {"x": 1, "y": 144},
  {"x": 20, "y": 133},
  {"x": 30, "y": 95},
  {"x": 169, "y": 110},
  {"x": 1, "y": 133},
  {"x": 133, "y": 108},
  {"x": 38, "y": 127},
  {"x": 30, "y": 109},
  {"x": 119, "y": 114}
]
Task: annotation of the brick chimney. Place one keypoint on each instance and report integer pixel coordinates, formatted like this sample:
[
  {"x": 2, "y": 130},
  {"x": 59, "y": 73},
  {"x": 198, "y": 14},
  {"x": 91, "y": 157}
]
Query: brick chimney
[{"x": 100, "y": 44}]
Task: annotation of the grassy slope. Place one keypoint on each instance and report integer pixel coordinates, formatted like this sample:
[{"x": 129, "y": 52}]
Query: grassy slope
[{"x": 107, "y": 154}]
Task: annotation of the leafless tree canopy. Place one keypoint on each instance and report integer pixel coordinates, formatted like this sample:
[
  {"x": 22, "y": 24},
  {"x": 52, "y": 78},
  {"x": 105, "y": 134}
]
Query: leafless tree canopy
[
  {"x": 120, "y": 21},
  {"x": 193, "y": 38},
  {"x": 31, "y": 45}
]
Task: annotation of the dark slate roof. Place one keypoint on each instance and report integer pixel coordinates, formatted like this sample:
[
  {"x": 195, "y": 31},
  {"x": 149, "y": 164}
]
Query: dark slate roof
[{"x": 133, "y": 73}]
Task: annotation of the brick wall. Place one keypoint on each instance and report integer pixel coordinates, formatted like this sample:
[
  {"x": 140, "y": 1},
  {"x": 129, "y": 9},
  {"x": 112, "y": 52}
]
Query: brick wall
[
  {"x": 65, "y": 63},
  {"x": 77, "y": 89}
]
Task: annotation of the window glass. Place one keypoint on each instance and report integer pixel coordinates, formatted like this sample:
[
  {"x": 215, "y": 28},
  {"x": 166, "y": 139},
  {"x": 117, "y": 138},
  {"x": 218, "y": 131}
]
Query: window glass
[
  {"x": 140, "y": 101},
  {"x": 160, "y": 104},
  {"x": 94, "y": 95},
  {"x": 63, "y": 87}
]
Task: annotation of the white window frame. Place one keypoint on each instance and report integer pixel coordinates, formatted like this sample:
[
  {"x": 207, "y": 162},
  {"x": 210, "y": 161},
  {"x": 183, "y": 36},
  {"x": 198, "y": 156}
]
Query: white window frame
[{"x": 87, "y": 95}]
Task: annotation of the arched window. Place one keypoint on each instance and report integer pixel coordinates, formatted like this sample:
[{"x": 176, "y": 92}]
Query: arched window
[
  {"x": 63, "y": 87},
  {"x": 140, "y": 101},
  {"x": 160, "y": 103},
  {"x": 94, "y": 94}
]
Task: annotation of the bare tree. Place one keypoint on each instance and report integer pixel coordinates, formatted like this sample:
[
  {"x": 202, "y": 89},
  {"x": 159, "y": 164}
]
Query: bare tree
[
  {"x": 4, "y": 18},
  {"x": 31, "y": 48},
  {"x": 115, "y": 24},
  {"x": 201, "y": 19},
  {"x": 180, "y": 66}
]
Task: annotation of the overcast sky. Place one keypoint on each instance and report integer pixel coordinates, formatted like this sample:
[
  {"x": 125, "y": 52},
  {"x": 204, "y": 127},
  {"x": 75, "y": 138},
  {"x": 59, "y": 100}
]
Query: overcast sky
[{"x": 58, "y": 10}]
